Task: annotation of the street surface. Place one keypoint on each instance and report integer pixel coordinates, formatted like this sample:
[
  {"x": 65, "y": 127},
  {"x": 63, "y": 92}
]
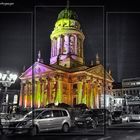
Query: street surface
[{"x": 125, "y": 131}]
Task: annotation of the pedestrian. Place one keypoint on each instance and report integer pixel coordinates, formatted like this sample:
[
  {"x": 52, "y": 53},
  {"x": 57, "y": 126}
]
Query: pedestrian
[{"x": 10, "y": 110}]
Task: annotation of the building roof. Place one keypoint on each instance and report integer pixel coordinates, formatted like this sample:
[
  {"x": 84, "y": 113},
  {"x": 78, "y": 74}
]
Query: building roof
[
  {"x": 99, "y": 71},
  {"x": 36, "y": 69},
  {"x": 42, "y": 69}
]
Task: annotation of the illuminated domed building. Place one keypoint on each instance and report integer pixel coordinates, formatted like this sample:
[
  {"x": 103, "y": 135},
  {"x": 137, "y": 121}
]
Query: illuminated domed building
[{"x": 66, "y": 79}]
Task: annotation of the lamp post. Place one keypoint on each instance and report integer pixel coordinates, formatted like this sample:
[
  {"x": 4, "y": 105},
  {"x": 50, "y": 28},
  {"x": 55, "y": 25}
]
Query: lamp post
[
  {"x": 126, "y": 103},
  {"x": 6, "y": 79}
]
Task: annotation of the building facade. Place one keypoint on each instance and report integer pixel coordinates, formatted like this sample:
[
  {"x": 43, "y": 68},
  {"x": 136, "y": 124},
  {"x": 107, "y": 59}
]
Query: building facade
[
  {"x": 10, "y": 101},
  {"x": 131, "y": 86},
  {"x": 66, "y": 79},
  {"x": 128, "y": 95},
  {"x": 118, "y": 99}
]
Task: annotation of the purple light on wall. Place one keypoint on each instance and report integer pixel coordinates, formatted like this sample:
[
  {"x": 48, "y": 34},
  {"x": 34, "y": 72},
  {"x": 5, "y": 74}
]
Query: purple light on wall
[{"x": 38, "y": 69}]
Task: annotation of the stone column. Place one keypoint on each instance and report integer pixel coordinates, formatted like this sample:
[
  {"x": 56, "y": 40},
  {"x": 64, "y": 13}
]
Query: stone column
[
  {"x": 80, "y": 92},
  {"x": 59, "y": 90},
  {"x": 45, "y": 99},
  {"x": 42, "y": 93},
  {"x": 102, "y": 95},
  {"x": 52, "y": 49},
  {"x": 88, "y": 93},
  {"x": 21, "y": 94},
  {"x": 62, "y": 44},
  {"x": 38, "y": 93},
  {"x": 55, "y": 84},
  {"x": 52, "y": 90},
  {"x": 28, "y": 95},
  {"x": 84, "y": 90},
  {"x": 91, "y": 95},
  {"x": 58, "y": 45},
  {"x": 78, "y": 47},
  {"x": 66, "y": 44},
  {"x": 82, "y": 55},
  {"x": 35, "y": 94},
  {"x": 31, "y": 94},
  {"x": 95, "y": 95},
  {"x": 70, "y": 92},
  {"x": 52, "y": 45},
  {"x": 25, "y": 95},
  {"x": 49, "y": 91},
  {"x": 75, "y": 52}
]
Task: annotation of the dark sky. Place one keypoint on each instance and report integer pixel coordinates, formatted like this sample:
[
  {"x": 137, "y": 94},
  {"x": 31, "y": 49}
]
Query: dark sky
[
  {"x": 122, "y": 37},
  {"x": 123, "y": 44},
  {"x": 15, "y": 42}
]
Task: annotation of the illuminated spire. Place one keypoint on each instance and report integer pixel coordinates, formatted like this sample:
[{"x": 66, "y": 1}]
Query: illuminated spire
[
  {"x": 24, "y": 68},
  {"x": 39, "y": 59},
  {"x": 97, "y": 59},
  {"x": 68, "y": 10},
  {"x": 68, "y": 4}
]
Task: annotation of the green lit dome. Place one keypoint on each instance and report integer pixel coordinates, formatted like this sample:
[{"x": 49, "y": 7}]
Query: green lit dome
[{"x": 68, "y": 14}]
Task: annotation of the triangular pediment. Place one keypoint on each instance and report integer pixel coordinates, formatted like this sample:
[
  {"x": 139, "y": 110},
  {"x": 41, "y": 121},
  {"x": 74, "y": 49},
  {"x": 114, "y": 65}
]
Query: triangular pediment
[
  {"x": 38, "y": 69},
  {"x": 100, "y": 72}
]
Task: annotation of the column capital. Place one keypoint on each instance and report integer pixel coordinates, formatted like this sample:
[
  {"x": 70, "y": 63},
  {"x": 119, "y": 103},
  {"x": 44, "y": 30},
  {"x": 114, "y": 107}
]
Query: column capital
[{"x": 23, "y": 82}]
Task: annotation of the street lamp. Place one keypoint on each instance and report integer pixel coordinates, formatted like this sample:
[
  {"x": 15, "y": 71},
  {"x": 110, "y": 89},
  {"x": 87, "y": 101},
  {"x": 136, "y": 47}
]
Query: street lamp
[
  {"x": 126, "y": 103},
  {"x": 6, "y": 79}
]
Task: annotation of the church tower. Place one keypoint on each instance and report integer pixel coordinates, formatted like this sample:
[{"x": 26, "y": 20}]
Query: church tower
[{"x": 67, "y": 41}]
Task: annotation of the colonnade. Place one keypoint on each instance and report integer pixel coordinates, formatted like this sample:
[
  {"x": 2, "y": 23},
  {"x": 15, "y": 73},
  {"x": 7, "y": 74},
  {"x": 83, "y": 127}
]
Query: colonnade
[
  {"x": 51, "y": 90},
  {"x": 65, "y": 44},
  {"x": 41, "y": 93},
  {"x": 90, "y": 91}
]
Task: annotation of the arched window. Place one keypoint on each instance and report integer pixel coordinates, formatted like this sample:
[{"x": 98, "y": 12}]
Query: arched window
[
  {"x": 15, "y": 101},
  {"x": 7, "y": 97},
  {"x": 72, "y": 44},
  {"x": 78, "y": 47}
]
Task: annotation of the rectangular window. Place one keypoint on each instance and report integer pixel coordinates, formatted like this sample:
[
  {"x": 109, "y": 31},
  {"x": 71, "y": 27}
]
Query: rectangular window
[
  {"x": 46, "y": 114},
  {"x": 64, "y": 113},
  {"x": 57, "y": 113},
  {"x": 75, "y": 86}
]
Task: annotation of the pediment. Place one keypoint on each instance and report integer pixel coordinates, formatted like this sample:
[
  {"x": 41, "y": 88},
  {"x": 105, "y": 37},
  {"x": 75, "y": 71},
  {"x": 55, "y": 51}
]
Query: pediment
[
  {"x": 37, "y": 68},
  {"x": 100, "y": 71}
]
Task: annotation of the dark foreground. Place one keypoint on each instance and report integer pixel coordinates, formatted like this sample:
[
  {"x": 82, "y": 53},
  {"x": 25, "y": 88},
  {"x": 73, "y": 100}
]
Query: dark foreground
[{"x": 127, "y": 131}]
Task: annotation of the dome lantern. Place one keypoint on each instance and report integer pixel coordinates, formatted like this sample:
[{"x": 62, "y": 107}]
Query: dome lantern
[{"x": 67, "y": 14}]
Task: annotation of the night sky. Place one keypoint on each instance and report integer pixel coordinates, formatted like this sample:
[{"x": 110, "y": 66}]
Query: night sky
[
  {"x": 122, "y": 38},
  {"x": 123, "y": 45}
]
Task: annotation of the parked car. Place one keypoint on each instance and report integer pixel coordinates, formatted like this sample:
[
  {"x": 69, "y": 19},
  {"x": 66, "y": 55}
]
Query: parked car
[
  {"x": 104, "y": 116},
  {"x": 125, "y": 118},
  {"x": 93, "y": 118},
  {"x": 134, "y": 117},
  {"x": 4, "y": 118},
  {"x": 87, "y": 119},
  {"x": 40, "y": 120},
  {"x": 120, "y": 117},
  {"x": 117, "y": 116}
]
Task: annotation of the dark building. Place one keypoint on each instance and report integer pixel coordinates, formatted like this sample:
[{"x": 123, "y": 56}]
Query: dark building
[
  {"x": 128, "y": 95},
  {"x": 9, "y": 101}
]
